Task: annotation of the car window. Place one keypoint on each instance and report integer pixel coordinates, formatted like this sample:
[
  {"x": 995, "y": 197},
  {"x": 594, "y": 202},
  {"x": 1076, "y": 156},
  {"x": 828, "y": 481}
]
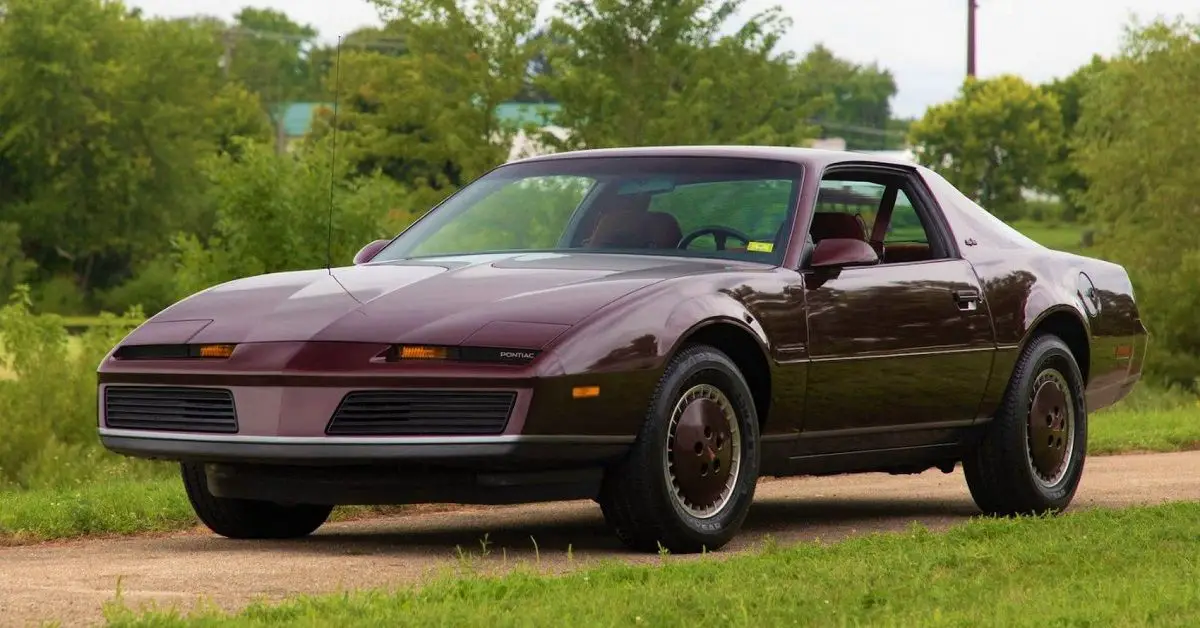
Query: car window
[
  {"x": 905, "y": 239},
  {"x": 652, "y": 205},
  {"x": 905, "y": 225},
  {"x": 755, "y": 208},
  {"x": 530, "y": 213},
  {"x": 860, "y": 198}
]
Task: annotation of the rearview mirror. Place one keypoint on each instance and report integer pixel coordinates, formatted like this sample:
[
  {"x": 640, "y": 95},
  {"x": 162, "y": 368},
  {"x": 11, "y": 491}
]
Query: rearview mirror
[
  {"x": 834, "y": 252},
  {"x": 369, "y": 251}
]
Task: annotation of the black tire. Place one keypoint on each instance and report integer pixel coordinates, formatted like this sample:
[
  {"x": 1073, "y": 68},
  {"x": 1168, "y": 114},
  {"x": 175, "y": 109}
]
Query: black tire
[
  {"x": 248, "y": 518},
  {"x": 640, "y": 503},
  {"x": 1007, "y": 473}
]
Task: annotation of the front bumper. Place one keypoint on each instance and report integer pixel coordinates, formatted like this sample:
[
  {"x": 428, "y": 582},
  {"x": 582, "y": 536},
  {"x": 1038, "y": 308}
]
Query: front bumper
[
  {"x": 284, "y": 395},
  {"x": 485, "y": 452}
]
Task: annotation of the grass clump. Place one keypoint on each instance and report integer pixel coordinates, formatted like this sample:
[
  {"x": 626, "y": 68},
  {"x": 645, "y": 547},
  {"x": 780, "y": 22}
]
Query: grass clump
[
  {"x": 1149, "y": 419},
  {"x": 1096, "y": 567},
  {"x": 114, "y": 506}
]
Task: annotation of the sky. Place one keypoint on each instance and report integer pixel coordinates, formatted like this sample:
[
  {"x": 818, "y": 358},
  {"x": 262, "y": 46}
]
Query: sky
[{"x": 922, "y": 42}]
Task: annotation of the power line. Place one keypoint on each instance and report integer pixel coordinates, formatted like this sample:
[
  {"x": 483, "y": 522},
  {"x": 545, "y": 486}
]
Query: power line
[{"x": 379, "y": 43}]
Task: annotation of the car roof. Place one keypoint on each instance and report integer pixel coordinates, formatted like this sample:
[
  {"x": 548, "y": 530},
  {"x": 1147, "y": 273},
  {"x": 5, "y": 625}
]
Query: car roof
[{"x": 807, "y": 156}]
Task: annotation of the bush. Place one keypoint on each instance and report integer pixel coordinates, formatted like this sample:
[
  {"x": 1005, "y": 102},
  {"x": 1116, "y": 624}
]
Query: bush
[
  {"x": 13, "y": 265},
  {"x": 1140, "y": 163},
  {"x": 59, "y": 295},
  {"x": 153, "y": 287},
  {"x": 273, "y": 215},
  {"x": 49, "y": 405}
]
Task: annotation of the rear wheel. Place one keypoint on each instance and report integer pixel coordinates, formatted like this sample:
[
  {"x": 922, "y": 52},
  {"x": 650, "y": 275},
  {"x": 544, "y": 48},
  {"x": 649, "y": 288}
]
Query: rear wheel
[
  {"x": 688, "y": 482},
  {"x": 248, "y": 518},
  {"x": 1031, "y": 458}
]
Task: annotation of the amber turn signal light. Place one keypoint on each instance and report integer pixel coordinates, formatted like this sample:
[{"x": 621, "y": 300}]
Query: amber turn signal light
[
  {"x": 417, "y": 352},
  {"x": 216, "y": 351},
  {"x": 585, "y": 392}
]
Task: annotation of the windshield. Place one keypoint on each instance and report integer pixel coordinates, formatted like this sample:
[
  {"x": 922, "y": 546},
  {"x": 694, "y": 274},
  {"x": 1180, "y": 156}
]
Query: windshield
[{"x": 734, "y": 208}]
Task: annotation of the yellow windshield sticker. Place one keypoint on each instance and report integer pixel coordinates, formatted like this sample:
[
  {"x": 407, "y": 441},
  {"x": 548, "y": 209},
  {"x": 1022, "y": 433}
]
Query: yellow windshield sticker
[{"x": 760, "y": 247}]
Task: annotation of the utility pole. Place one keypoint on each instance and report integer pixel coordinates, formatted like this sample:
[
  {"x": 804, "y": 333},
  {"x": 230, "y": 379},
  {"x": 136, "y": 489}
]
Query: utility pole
[{"x": 971, "y": 6}]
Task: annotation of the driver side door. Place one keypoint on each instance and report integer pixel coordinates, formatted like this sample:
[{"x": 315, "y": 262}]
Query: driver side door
[{"x": 900, "y": 350}]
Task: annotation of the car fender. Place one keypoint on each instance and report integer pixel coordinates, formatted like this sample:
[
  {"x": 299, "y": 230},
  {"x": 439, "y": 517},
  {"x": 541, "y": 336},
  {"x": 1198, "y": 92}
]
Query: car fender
[
  {"x": 701, "y": 311},
  {"x": 641, "y": 330}
]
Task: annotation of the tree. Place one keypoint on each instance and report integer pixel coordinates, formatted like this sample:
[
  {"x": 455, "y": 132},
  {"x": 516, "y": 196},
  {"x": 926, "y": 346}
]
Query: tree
[
  {"x": 1066, "y": 180},
  {"x": 427, "y": 119},
  {"x": 1138, "y": 150},
  {"x": 273, "y": 215},
  {"x": 13, "y": 265},
  {"x": 854, "y": 101},
  {"x": 998, "y": 137},
  {"x": 268, "y": 53},
  {"x": 104, "y": 117},
  {"x": 660, "y": 72}
]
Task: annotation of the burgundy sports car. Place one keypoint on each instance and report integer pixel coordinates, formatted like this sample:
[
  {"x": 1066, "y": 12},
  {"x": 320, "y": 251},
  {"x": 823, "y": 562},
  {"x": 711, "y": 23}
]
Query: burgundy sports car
[{"x": 651, "y": 328}]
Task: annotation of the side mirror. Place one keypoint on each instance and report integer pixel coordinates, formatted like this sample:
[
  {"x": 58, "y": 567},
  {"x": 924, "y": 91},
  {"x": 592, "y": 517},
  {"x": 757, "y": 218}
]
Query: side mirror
[
  {"x": 369, "y": 251},
  {"x": 834, "y": 252}
]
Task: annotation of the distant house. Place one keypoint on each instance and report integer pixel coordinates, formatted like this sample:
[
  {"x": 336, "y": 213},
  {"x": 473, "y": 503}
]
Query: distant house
[{"x": 297, "y": 120}]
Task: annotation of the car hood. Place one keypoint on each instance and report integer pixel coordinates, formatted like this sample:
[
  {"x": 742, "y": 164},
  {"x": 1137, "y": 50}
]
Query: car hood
[{"x": 522, "y": 300}]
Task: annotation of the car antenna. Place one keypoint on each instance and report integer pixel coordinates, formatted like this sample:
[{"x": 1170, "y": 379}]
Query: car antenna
[{"x": 337, "y": 88}]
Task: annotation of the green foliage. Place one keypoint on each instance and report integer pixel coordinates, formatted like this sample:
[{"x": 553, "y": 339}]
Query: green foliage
[
  {"x": 1066, "y": 180},
  {"x": 59, "y": 294},
  {"x": 267, "y": 54},
  {"x": 154, "y": 285},
  {"x": 426, "y": 119},
  {"x": 14, "y": 268},
  {"x": 273, "y": 214},
  {"x": 854, "y": 100},
  {"x": 1000, "y": 135},
  {"x": 49, "y": 399},
  {"x": 105, "y": 119},
  {"x": 1137, "y": 149},
  {"x": 663, "y": 72}
]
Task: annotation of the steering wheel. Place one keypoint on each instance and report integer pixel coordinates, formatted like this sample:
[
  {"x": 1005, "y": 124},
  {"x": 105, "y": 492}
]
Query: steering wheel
[{"x": 719, "y": 233}]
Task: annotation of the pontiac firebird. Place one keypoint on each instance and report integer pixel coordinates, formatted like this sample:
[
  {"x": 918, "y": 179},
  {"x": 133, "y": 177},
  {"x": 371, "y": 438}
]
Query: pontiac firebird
[{"x": 654, "y": 329}]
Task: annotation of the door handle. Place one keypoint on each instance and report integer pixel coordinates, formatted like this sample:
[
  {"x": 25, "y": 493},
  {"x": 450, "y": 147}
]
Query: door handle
[{"x": 968, "y": 300}]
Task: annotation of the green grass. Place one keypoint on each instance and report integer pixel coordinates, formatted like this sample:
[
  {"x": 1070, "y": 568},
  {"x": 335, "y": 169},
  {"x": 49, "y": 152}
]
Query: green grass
[
  {"x": 112, "y": 507},
  {"x": 1121, "y": 431},
  {"x": 1090, "y": 568},
  {"x": 1064, "y": 237}
]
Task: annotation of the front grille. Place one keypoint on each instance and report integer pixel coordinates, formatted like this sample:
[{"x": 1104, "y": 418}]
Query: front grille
[
  {"x": 421, "y": 413},
  {"x": 170, "y": 409}
]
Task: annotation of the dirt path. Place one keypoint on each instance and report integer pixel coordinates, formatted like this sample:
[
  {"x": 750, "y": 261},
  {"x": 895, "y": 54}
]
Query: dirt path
[{"x": 70, "y": 581}]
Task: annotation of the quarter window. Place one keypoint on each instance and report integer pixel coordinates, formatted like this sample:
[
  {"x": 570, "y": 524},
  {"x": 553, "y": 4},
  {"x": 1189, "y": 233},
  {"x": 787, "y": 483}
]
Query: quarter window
[{"x": 869, "y": 198}]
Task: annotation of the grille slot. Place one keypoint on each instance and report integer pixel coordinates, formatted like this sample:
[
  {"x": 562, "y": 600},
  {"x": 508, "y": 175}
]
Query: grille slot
[
  {"x": 209, "y": 410},
  {"x": 421, "y": 413}
]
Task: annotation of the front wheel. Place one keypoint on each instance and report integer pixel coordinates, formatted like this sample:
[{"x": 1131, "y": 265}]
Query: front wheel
[
  {"x": 1031, "y": 458},
  {"x": 248, "y": 518},
  {"x": 688, "y": 481}
]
